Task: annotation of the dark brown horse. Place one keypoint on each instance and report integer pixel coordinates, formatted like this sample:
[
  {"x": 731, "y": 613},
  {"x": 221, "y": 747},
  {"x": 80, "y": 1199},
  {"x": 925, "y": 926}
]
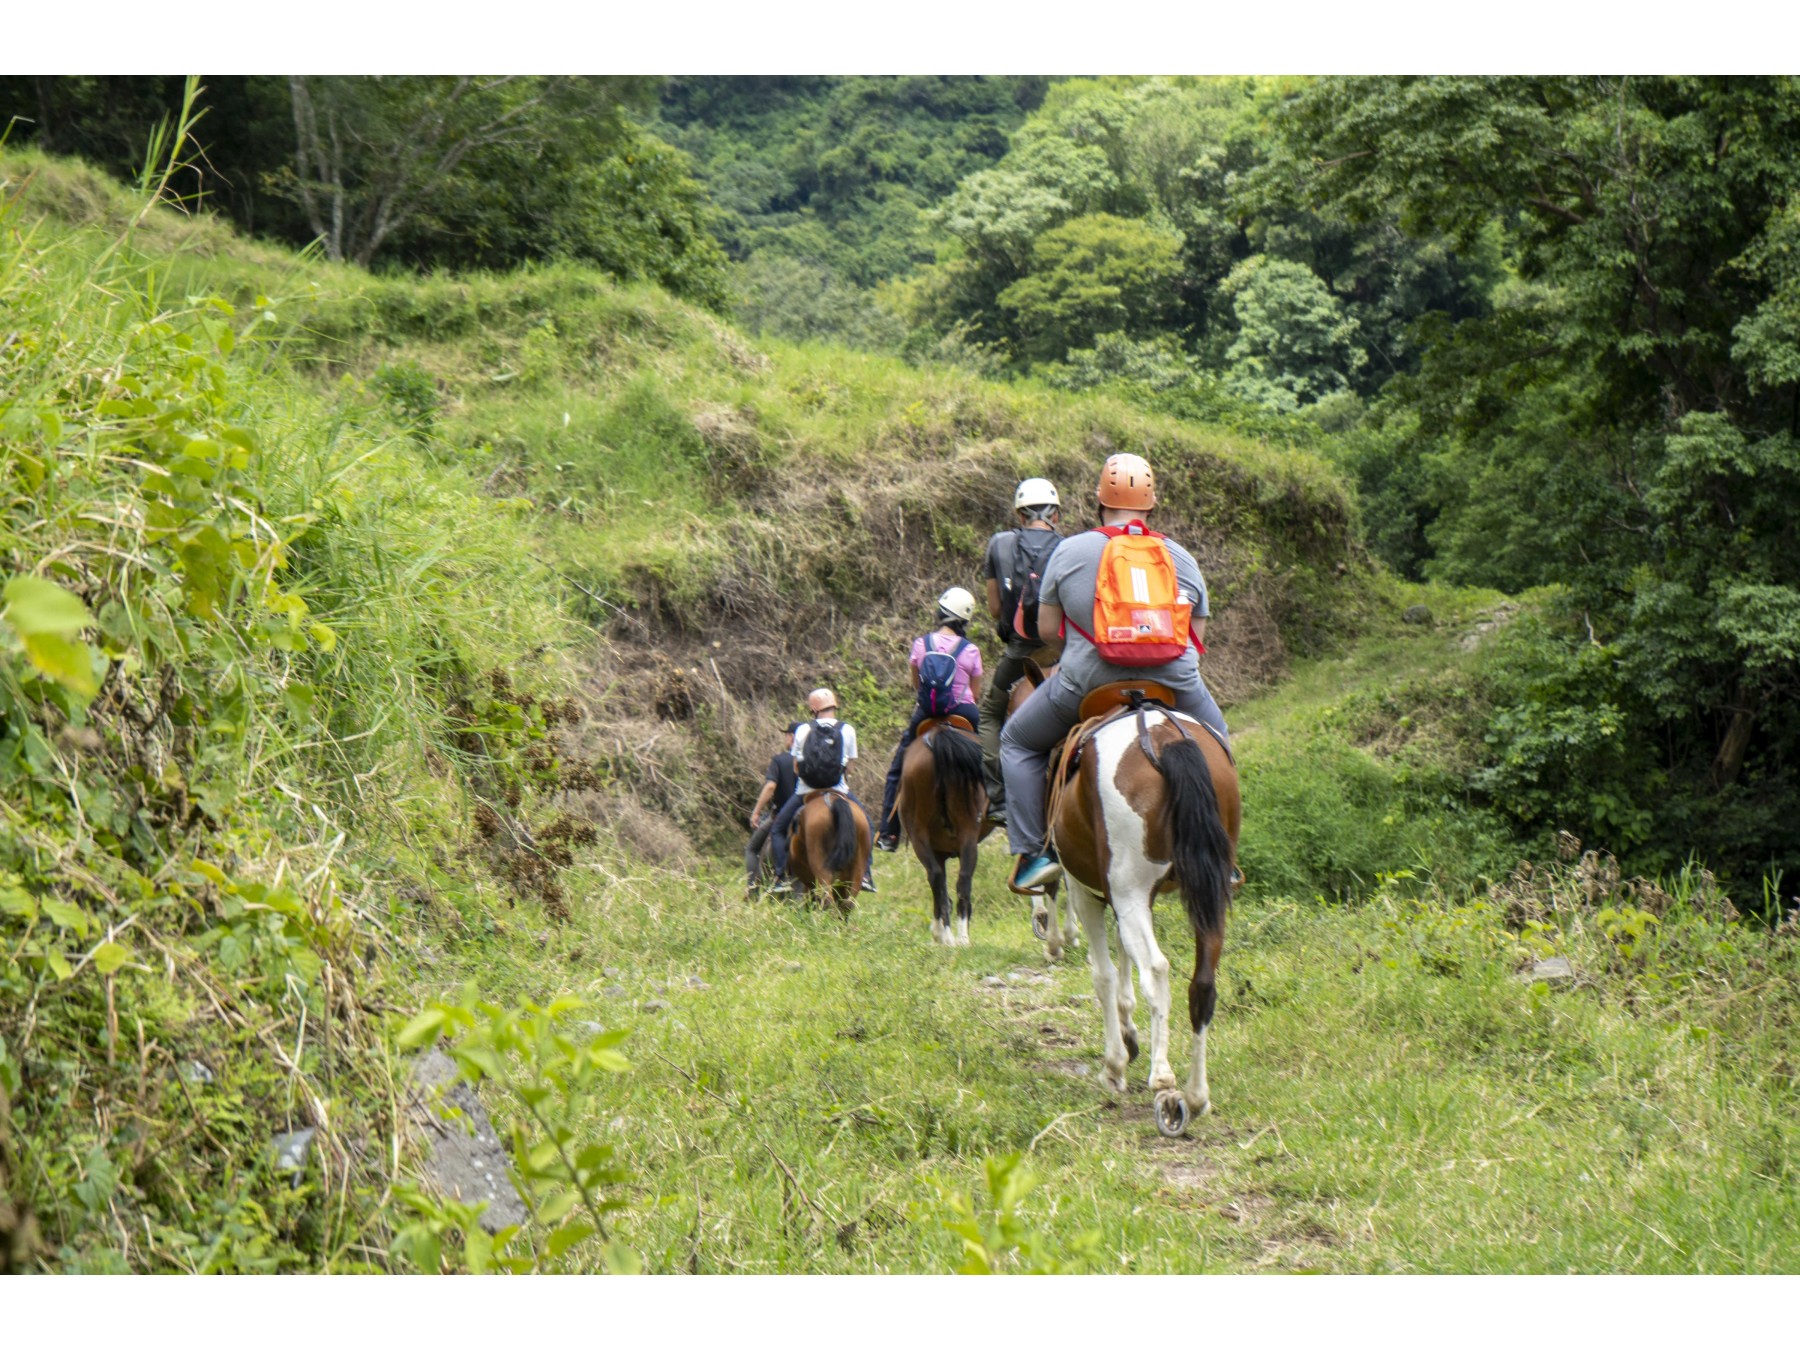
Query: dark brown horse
[
  {"x": 829, "y": 848},
  {"x": 1043, "y": 902},
  {"x": 942, "y": 804},
  {"x": 1148, "y": 803}
]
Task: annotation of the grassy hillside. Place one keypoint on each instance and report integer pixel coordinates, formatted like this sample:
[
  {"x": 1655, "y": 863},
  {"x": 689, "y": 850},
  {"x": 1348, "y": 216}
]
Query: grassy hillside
[{"x": 390, "y": 661}]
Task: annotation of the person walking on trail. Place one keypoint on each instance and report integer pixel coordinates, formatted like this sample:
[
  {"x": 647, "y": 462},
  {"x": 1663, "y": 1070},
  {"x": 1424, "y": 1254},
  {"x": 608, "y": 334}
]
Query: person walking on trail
[
  {"x": 823, "y": 770},
  {"x": 779, "y": 780},
  {"x": 946, "y": 673},
  {"x": 1013, "y": 570},
  {"x": 1090, "y": 657}
]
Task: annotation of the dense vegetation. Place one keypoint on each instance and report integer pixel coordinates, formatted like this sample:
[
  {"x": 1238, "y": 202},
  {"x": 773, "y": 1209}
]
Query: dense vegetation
[{"x": 383, "y": 652}]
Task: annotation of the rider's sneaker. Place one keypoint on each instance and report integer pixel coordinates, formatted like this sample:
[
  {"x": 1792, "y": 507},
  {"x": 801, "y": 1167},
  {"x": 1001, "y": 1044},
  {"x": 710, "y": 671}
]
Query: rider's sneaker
[
  {"x": 996, "y": 817},
  {"x": 868, "y": 885},
  {"x": 888, "y": 843},
  {"x": 782, "y": 887},
  {"x": 1037, "y": 870}
]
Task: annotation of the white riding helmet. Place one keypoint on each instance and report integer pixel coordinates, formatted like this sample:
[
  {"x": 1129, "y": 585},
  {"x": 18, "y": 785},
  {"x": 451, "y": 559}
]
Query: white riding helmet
[
  {"x": 1035, "y": 492},
  {"x": 958, "y": 603}
]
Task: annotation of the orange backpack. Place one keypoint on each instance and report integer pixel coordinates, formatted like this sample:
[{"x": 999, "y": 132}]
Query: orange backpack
[{"x": 1140, "y": 618}]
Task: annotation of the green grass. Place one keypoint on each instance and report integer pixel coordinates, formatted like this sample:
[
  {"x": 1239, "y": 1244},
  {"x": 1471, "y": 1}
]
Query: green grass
[{"x": 1387, "y": 1096}]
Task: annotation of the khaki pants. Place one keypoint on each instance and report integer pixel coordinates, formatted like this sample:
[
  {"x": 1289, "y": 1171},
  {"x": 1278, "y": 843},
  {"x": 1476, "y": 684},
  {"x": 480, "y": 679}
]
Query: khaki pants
[{"x": 1008, "y": 671}]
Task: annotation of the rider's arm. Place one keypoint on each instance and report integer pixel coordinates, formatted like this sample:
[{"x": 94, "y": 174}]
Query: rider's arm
[
  {"x": 1050, "y": 622},
  {"x": 993, "y": 598},
  {"x": 763, "y": 799}
]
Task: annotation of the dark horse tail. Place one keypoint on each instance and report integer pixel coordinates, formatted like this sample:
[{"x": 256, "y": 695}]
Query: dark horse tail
[
  {"x": 1202, "y": 848},
  {"x": 842, "y": 850},
  {"x": 956, "y": 761}
]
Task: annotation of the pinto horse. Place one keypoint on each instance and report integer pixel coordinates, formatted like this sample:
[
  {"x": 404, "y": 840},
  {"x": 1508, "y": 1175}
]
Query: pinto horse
[
  {"x": 829, "y": 848},
  {"x": 1043, "y": 902},
  {"x": 942, "y": 803},
  {"x": 1149, "y": 804}
]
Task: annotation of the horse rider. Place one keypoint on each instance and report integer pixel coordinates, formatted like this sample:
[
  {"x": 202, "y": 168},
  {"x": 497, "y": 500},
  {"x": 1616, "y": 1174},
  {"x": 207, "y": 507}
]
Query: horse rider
[
  {"x": 1013, "y": 557},
  {"x": 822, "y": 703},
  {"x": 779, "y": 781},
  {"x": 946, "y": 673},
  {"x": 1126, "y": 496}
]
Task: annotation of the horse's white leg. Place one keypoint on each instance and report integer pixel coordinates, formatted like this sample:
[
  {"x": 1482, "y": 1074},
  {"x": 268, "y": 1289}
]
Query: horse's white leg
[
  {"x": 1071, "y": 921},
  {"x": 1137, "y": 935},
  {"x": 1113, "y": 1058}
]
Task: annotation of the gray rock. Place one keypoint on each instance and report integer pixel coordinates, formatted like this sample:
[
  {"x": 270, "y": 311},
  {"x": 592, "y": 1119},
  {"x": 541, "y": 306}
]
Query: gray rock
[
  {"x": 993, "y": 981},
  {"x": 1416, "y": 614},
  {"x": 611, "y": 972},
  {"x": 1556, "y": 968},
  {"x": 795, "y": 965},
  {"x": 290, "y": 1149},
  {"x": 616, "y": 991},
  {"x": 695, "y": 982},
  {"x": 655, "y": 1005},
  {"x": 196, "y": 1072},
  {"x": 464, "y": 1158}
]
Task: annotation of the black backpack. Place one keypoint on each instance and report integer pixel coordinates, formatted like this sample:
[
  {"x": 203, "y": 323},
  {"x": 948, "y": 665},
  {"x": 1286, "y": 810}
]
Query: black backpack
[
  {"x": 821, "y": 763},
  {"x": 1019, "y": 607}
]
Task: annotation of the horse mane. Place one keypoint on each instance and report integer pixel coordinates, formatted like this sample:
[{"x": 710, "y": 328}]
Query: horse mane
[
  {"x": 1202, "y": 847},
  {"x": 841, "y": 852},
  {"x": 956, "y": 761}
]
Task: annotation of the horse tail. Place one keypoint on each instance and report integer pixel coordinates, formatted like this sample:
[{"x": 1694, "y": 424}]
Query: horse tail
[
  {"x": 1201, "y": 846},
  {"x": 956, "y": 761},
  {"x": 841, "y": 852}
]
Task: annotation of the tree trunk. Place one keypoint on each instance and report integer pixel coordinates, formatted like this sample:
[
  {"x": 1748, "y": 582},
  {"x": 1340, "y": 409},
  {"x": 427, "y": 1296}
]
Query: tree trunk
[{"x": 1730, "y": 760}]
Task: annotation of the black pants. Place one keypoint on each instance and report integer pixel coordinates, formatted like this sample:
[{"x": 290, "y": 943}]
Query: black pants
[{"x": 890, "y": 793}]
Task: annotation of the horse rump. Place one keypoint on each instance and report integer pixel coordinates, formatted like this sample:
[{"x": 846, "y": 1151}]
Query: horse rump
[
  {"x": 841, "y": 851},
  {"x": 1201, "y": 845},
  {"x": 956, "y": 762}
]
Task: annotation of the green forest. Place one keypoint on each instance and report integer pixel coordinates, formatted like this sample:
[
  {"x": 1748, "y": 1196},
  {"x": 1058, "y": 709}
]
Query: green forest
[{"x": 428, "y": 497}]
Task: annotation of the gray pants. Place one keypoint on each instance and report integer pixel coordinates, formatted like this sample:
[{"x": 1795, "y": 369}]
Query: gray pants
[
  {"x": 1008, "y": 671},
  {"x": 1037, "y": 728}
]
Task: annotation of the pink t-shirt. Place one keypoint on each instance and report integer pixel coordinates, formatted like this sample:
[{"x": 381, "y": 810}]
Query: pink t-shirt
[{"x": 968, "y": 665}]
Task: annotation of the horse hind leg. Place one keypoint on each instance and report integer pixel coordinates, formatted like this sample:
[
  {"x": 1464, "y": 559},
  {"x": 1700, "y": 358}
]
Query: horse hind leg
[
  {"x": 965, "y": 889},
  {"x": 1202, "y": 999},
  {"x": 1113, "y": 1056},
  {"x": 940, "y": 898},
  {"x": 1137, "y": 935}
]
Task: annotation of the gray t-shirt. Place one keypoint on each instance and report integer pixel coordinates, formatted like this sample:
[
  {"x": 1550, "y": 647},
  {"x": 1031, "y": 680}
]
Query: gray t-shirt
[
  {"x": 1002, "y": 553},
  {"x": 1069, "y": 582}
]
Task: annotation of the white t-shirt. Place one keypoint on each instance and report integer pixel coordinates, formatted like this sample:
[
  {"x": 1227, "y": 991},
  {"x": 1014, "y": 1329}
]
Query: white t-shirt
[{"x": 802, "y": 732}]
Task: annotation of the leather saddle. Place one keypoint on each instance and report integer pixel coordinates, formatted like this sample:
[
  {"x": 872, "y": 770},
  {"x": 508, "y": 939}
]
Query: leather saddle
[{"x": 931, "y": 724}]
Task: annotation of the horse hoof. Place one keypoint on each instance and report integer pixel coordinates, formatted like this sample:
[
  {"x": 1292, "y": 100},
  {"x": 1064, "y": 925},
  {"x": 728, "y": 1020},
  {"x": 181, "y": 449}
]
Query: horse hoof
[
  {"x": 1040, "y": 925},
  {"x": 1131, "y": 1045},
  {"x": 1171, "y": 1114}
]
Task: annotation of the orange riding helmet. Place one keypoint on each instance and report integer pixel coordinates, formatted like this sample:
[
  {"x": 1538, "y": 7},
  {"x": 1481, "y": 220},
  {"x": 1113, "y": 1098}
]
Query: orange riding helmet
[{"x": 1126, "y": 482}]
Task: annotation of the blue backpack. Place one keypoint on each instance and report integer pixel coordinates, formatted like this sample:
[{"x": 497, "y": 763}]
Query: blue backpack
[{"x": 937, "y": 673}]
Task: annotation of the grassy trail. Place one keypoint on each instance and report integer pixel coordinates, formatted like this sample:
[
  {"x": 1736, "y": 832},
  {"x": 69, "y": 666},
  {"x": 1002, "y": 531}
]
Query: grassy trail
[{"x": 1387, "y": 1095}]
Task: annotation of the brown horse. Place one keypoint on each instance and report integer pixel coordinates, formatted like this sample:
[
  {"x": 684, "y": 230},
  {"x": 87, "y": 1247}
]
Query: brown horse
[
  {"x": 829, "y": 848},
  {"x": 942, "y": 804},
  {"x": 1150, "y": 805},
  {"x": 1043, "y": 902}
]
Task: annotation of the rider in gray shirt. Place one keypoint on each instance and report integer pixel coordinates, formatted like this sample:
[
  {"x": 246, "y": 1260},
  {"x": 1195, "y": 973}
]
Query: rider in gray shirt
[{"x": 1127, "y": 492}]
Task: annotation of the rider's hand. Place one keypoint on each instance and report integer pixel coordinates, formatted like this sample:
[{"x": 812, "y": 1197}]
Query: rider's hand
[{"x": 756, "y": 820}]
